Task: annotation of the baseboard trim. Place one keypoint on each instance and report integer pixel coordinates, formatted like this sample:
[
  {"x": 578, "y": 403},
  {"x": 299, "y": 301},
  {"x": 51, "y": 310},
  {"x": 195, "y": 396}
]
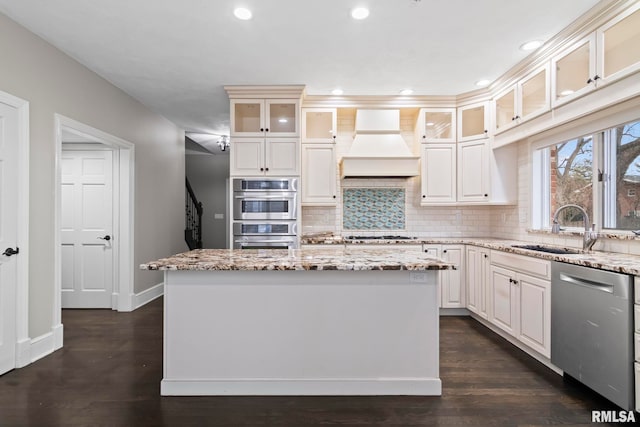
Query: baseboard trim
[
  {"x": 148, "y": 295},
  {"x": 539, "y": 357},
  {"x": 23, "y": 353},
  {"x": 454, "y": 312},
  {"x": 42, "y": 346},
  {"x": 306, "y": 387}
]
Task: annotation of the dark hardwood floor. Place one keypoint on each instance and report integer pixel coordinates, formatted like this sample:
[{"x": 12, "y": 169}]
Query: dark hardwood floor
[{"x": 109, "y": 372}]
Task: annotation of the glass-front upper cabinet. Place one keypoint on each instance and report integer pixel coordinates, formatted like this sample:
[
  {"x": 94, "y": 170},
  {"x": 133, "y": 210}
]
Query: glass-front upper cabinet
[
  {"x": 574, "y": 71},
  {"x": 247, "y": 117},
  {"x": 473, "y": 122},
  {"x": 319, "y": 125},
  {"x": 264, "y": 117},
  {"x": 619, "y": 46},
  {"x": 533, "y": 92},
  {"x": 523, "y": 101},
  {"x": 436, "y": 125},
  {"x": 281, "y": 117},
  {"x": 505, "y": 103}
]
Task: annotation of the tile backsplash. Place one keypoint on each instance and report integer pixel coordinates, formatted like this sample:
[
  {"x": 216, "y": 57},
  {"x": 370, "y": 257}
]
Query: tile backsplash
[{"x": 373, "y": 209}]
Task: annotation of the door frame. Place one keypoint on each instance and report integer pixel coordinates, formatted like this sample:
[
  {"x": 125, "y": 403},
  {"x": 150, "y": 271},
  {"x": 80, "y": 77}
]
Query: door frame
[
  {"x": 23, "y": 342},
  {"x": 123, "y": 197}
]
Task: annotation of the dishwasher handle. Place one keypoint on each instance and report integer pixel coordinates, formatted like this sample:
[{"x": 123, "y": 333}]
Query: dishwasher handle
[{"x": 603, "y": 287}]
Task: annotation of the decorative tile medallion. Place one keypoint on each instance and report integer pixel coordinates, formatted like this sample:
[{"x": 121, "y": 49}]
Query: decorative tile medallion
[{"x": 373, "y": 209}]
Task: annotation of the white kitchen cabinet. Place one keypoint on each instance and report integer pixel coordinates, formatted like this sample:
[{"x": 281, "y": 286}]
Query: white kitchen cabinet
[
  {"x": 264, "y": 117},
  {"x": 319, "y": 125},
  {"x": 264, "y": 157},
  {"x": 526, "y": 99},
  {"x": 319, "y": 175},
  {"x": 618, "y": 46},
  {"x": 477, "y": 274},
  {"x": 438, "y": 176},
  {"x": 473, "y": 121},
  {"x": 534, "y": 309},
  {"x": 573, "y": 71},
  {"x": 473, "y": 171},
  {"x": 436, "y": 125},
  {"x": 504, "y": 299},
  {"x": 521, "y": 299},
  {"x": 451, "y": 289}
]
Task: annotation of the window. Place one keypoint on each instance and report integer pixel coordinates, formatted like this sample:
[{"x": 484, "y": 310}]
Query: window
[
  {"x": 572, "y": 179},
  {"x": 599, "y": 172}
]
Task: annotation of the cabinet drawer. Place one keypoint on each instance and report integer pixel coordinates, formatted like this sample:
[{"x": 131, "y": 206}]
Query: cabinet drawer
[
  {"x": 636, "y": 345},
  {"x": 532, "y": 266},
  {"x": 637, "y": 317},
  {"x": 636, "y": 291}
]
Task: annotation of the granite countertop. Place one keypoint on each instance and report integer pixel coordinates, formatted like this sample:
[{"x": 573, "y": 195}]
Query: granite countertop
[
  {"x": 333, "y": 258},
  {"x": 611, "y": 261}
]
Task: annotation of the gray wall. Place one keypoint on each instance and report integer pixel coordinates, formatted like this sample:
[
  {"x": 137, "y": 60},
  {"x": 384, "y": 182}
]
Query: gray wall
[
  {"x": 53, "y": 82},
  {"x": 207, "y": 175}
]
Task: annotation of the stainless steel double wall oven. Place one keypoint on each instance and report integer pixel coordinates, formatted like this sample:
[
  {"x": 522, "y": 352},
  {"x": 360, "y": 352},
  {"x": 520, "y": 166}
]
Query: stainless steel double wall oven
[{"x": 265, "y": 212}]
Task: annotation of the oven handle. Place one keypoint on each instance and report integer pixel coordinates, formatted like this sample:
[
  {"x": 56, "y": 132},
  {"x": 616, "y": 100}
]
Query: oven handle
[
  {"x": 266, "y": 241},
  {"x": 257, "y": 199}
]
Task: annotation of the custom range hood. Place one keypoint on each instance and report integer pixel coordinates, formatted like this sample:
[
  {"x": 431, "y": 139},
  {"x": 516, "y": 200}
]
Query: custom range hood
[{"x": 378, "y": 149}]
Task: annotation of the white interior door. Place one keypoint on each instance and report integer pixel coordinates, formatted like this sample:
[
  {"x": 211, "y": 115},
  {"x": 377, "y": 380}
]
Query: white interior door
[
  {"x": 8, "y": 234},
  {"x": 87, "y": 229}
]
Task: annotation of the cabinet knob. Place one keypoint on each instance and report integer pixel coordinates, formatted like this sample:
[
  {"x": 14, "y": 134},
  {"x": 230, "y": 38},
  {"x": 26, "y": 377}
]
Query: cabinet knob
[
  {"x": 267, "y": 169},
  {"x": 423, "y": 196},
  {"x": 334, "y": 137},
  {"x": 261, "y": 129},
  {"x": 334, "y": 196},
  {"x": 444, "y": 252},
  {"x": 486, "y": 256},
  {"x": 266, "y": 130},
  {"x": 424, "y": 136},
  {"x": 517, "y": 117},
  {"x": 590, "y": 80},
  {"x": 596, "y": 77},
  {"x": 261, "y": 169},
  {"x": 486, "y": 195},
  {"x": 486, "y": 131}
]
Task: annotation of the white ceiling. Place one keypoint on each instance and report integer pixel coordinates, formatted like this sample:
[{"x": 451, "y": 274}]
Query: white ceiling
[{"x": 175, "y": 56}]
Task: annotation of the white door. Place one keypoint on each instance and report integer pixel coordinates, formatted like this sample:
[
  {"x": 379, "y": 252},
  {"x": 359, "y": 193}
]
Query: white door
[
  {"x": 8, "y": 236},
  {"x": 87, "y": 229}
]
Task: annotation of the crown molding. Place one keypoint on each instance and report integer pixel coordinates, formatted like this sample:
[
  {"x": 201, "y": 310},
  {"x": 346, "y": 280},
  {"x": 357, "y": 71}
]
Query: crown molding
[
  {"x": 270, "y": 91},
  {"x": 378, "y": 101}
]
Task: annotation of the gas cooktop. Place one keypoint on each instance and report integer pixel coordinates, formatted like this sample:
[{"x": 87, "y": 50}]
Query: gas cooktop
[{"x": 378, "y": 238}]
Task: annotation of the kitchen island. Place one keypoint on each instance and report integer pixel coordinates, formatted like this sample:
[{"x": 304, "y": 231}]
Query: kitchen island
[{"x": 334, "y": 321}]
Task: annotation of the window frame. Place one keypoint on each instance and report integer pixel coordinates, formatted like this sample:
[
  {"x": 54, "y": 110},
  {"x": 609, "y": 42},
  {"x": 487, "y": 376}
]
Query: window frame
[{"x": 603, "y": 189}]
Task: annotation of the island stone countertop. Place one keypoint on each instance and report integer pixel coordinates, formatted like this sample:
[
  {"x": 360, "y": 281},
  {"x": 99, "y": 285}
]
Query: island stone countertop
[
  {"x": 610, "y": 261},
  {"x": 332, "y": 258}
]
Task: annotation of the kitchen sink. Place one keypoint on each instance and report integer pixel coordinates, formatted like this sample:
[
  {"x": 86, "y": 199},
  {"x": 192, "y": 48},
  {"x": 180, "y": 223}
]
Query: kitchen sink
[{"x": 549, "y": 249}]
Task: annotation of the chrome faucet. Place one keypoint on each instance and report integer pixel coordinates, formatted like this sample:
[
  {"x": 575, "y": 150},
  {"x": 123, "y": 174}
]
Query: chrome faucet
[{"x": 590, "y": 236}]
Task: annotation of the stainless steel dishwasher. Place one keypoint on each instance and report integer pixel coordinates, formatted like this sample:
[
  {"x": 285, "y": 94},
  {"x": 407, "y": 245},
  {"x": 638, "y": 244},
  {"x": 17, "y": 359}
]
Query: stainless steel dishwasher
[{"x": 592, "y": 329}]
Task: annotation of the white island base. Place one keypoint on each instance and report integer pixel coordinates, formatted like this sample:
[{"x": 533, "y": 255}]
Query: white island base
[{"x": 301, "y": 333}]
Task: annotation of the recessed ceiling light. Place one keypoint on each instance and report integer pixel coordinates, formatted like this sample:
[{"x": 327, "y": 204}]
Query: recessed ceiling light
[
  {"x": 242, "y": 13},
  {"x": 337, "y": 92},
  {"x": 566, "y": 92},
  {"x": 406, "y": 92},
  {"x": 360, "y": 13},
  {"x": 483, "y": 83},
  {"x": 533, "y": 44}
]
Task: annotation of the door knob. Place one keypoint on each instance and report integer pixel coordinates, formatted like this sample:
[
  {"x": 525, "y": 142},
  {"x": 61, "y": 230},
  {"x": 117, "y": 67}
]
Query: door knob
[
  {"x": 107, "y": 238},
  {"x": 11, "y": 251}
]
